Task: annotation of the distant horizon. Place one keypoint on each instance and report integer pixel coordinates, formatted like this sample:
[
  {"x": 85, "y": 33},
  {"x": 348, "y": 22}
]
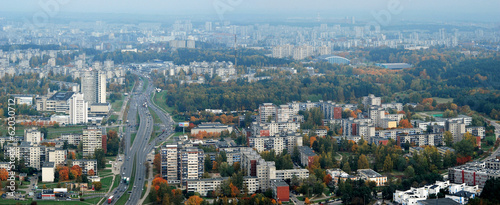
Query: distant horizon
[{"x": 485, "y": 11}]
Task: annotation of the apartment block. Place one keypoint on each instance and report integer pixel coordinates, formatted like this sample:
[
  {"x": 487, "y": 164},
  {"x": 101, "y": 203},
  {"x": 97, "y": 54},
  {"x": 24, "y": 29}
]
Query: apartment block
[
  {"x": 33, "y": 136},
  {"x": 91, "y": 140},
  {"x": 190, "y": 163},
  {"x": 203, "y": 186},
  {"x": 306, "y": 155},
  {"x": 169, "y": 163},
  {"x": 289, "y": 173},
  {"x": 86, "y": 165},
  {"x": 57, "y": 156},
  {"x": 255, "y": 166},
  {"x": 474, "y": 173}
]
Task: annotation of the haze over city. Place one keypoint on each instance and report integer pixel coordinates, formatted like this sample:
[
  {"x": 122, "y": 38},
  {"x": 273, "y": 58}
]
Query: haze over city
[{"x": 250, "y": 102}]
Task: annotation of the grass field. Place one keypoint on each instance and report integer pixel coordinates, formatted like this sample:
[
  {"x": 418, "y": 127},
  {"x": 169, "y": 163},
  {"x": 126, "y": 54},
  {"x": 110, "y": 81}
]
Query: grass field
[
  {"x": 145, "y": 188},
  {"x": 132, "y": 138},
  {"x": 159, "y": 99},
  {"x": 123, "y": 199},
  {"x": 117, "y": 105},
  {"x": 52, "y": 132},
  {"x": 28, "y": 201},
  {"x": 116, "y": 182},
  {"x": 443, "y": 100}
]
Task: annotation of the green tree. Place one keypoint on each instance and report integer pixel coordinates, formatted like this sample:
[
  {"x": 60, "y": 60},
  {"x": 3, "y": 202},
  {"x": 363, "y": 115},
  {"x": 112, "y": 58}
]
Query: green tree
[
  {"x": 388, "y": 164},
  {"x": 363, "y": 162},
  {"x": 448, "y": 138},
  {"x": 410, "y": 172}
]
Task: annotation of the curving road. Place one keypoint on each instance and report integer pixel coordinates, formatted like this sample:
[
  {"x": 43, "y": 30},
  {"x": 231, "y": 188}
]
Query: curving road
[{"x": 141, "y": 146}]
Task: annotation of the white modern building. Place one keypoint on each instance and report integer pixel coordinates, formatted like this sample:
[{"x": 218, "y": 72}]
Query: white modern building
[{"x": 78, "y": 109}]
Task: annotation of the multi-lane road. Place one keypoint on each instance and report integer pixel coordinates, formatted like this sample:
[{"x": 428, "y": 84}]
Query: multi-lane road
[{"x": 140, "y": 147}]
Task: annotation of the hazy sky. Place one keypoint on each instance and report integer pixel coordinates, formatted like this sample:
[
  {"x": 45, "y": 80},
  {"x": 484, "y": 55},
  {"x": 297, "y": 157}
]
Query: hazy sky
[{"x": 483, "y": 10}]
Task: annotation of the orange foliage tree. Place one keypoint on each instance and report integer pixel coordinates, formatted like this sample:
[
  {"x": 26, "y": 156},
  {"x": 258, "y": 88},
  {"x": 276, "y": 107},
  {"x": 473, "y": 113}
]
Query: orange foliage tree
[
  {"x": 234, "y": 190},
  {"x": 193, "y": 200},
  {"x": 63, "y": 173},
  {"x": 311, "y": 141},
  {"x": 77, "y": 169},
  {"x": 404, "y": 123},
  {"x": 91, "y": 172},
  {"x": 157, "y": 162},
  {"x": 327, "y": 179},
  {"x": 4, "y": 174}
]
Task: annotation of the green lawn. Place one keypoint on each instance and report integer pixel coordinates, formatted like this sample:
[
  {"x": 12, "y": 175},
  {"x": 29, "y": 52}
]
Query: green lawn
[
  {"x": 52, "y": 132},
  {"x": 442, "y": 100},
  {"x": 156, "y": 119},
  {"x": 116, "y": 182},
  {"x": 148, "y": 199},
  {"x": 123, "y": 199},
  {"x": 132, "y": 138},
  {"x": 113, "y": 118},
  {"x": 145, "y": 188},
  {"x": 28, "y": 201},
  {"x": 106, "y": 182},
  {"x": 117, "y": 105},
  {"x": 159, "y": 99}
]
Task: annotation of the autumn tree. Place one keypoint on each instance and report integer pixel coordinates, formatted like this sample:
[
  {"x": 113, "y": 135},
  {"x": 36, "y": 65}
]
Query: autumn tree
[
  {"x": 448, "y": 138},
  {"x": 157, "y": 162},
  {"x": 234, "y": 190},
  {"x": 363, "y": 162},
  {"x": 193, "y": 200},
  {"x": 404, "y": 123},
  {"x": 327, "y": 179},
  {"x": 63, "y": 173},
  {"x": 307, "y": 201},
  {"x": 77, "y": 169},
  {"x": 97, "y": 185},
  {"x": 91, "y": 172},
  {"x": 388, "y": 164},
  {"x": 4, "y": 174}
]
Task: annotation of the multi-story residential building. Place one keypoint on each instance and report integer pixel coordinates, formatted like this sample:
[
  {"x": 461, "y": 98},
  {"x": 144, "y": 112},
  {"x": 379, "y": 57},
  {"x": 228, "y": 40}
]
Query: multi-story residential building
[
  {"x": 33, "y": 136},
  {"x": 33, "y": 155},
  {"x": 433, "y": 139},
  {"x": 251, "y": 183},
  {"x": 306, "y": 155},
  {"x": 169, "y": 163},
  {"x": 203, "y": 186},
  {"x": 267, "y": 112},
  {"x": 476, "y": 131},
  {"x": 395, "y": 106},
  {"x": 57, "y": 156},
  {"x": 289, "y": 173},
  {"x": 190, "y": 163},
  {"x": 94, "y": 86},
  {"x": 48, "y": 169},
  {"x": 73, "y": 139},
  {"x": 91, "y": 140},
  {"x": 474, "y": 173},
  {"x": 370, "y": 175},
  {"x": 371, "y": 100},
  {"x": 274, "y": 128},
  {"x": 331, "y": 110},
  {"x": 86, "y": 165},
  {"x": 77, "y": 109},
  {"x": 54, "y": 102},
  {"x": 393, "y": 133},
  {"x": 281, "y": 190},
  {"x": 255, "y": 166},
  {"x": 457, "y": 129}
]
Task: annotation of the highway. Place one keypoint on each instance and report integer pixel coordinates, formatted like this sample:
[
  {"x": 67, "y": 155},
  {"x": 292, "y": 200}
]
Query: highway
[{"x": 141, "y": 146}]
